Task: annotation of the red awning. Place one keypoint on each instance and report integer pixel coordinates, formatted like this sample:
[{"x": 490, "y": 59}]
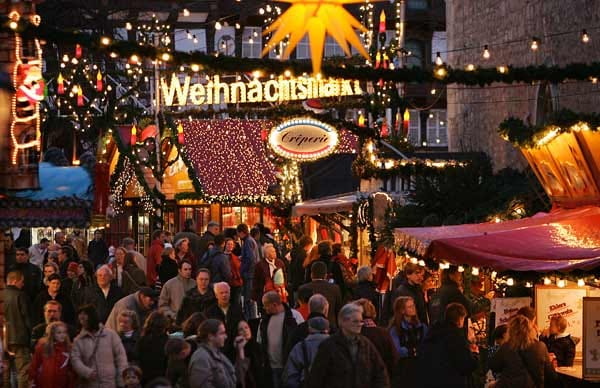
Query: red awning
[{"x": 561, "y": 240}]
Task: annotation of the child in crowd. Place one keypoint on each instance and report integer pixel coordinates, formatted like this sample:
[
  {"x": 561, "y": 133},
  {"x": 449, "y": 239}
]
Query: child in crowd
[
  {"x": 132, "y": 375},
  {"x": 51, "y": 366},
  {"x": 559, "y": 343}
]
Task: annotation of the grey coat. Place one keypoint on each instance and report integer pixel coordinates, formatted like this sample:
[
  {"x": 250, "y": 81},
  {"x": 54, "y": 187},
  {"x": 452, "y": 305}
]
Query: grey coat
[
  {"x": 130, "y": 302},
  {"x": 172, "y": 293},
  {"x": 293, "y": 374},
  {"x": 17, "y": 316},
  {"x": 210, "y": 368}
]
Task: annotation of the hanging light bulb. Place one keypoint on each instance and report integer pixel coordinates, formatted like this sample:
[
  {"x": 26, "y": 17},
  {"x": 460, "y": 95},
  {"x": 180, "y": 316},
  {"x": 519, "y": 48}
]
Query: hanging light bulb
[
  {"x": 528, "y": 285},
  {"x": 461, "y": 268},
  {"x": 438, "y": 59},
  {"x": 535, "y": 44},
  {"x": 195, "y": 40},
  {"x": 585, "y": 38},
  {"x": 218, "y": 26},
  {"x": 128, "y": 26},
  {"x": 561, "y": 283},
  {"x": 475, "y": 271},
  {"x": 510, "y": 282},
  {"x": 547, "y": 281},
  {"x": 186, "y": 12},
  {"x": 470, "y": 67},
  {"x": 580, "y": 282},
  {"x": 486, "y": 52},
  {"x": 414, "y": 260},
  {"x": 502, "y": 69},
  {"x": 422, "y": 263}
]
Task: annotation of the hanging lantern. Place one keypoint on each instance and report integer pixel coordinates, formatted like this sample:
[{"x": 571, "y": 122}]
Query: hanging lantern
[
  {"x": 133, "y": 135},
  {"x": 406, "y": 121},
  {"x": 180, "y": 133},
  {"x": 79, "y": 96},
  {"x": 361, "y": 120},
  {"x": 60, "y": 83},
  {"x": 77, "y": 51},
  {"x": 99, "y": 81},
  {"x": 382, "y": 22}
]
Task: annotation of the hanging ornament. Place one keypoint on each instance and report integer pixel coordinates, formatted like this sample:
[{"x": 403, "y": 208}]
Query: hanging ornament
[
  {"x": 60, "y": 84},
  {"x": 382, "y": 22},
  {"x": 317, "y": 18},
  {"x": 406, "y": 121},
  {"x": 79, "y": 96},
  {"x": 180, "y": 133},
  {"x": 133, "y": 135},
  {"x": 77, "y": 51},
  {"x": 99, "y": 81}
]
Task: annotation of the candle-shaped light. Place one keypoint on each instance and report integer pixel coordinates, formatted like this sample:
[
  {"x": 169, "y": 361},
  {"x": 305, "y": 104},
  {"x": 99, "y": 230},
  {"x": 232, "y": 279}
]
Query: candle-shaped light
[
  {"x": 384, "y": 129},
  {"x": 79, "y": 96},
  {"x": 60, "y": 83},
  {"x": 377, "y": 60},
  {"x": 180, "y": 133},
  {"x": 133, "y": 135},
  {"x": 382, "y": 22},
  {"x": 361, "y": 120},
  {"x": 99, "y": 81},
  {"x": 406, "y": 121},
  {"x": 77, "y": 51}
]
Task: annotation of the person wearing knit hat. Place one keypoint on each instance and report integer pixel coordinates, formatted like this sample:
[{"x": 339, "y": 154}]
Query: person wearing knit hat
[{"x": 303, "y": 351}]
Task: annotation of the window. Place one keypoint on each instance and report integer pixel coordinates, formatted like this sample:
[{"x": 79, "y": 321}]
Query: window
[
  {"x": 303, "y": 48},
  {"x": 225, "y": 41},
  {"x": 190, "y": 40},
  {"x": 251, "y": 42},
  {"x": 200, "y": 215},
  {"x": 415, "y": 58},
  {"x": 439, "y": 45},
  {"x": 332, "y": 48},
  {"x": 414, "y": 128},
  {"x": 143, "y": 232},
  {"x": 437, "y": 134},
  {"x": 416, "y": 4},
  {"x": 232, "y": 216}
]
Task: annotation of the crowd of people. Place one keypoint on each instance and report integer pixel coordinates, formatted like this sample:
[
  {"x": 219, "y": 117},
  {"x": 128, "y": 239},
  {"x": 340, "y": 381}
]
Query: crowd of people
[{"x": 230, "y": 309}]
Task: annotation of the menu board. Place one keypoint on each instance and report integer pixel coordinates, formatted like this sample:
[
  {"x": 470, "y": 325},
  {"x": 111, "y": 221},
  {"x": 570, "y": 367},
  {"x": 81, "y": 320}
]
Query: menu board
[
  {"x": 506, "y": 308},
  {"x": 591, "y": 338},
  {"x": 566, "y": 302}
]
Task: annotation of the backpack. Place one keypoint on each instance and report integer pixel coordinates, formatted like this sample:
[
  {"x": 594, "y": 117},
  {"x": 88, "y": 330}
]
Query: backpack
[{"x": 206, "y": 260}]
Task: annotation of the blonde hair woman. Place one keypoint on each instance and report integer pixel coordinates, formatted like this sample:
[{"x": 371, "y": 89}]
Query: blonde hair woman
[
  {"x": 522, "y": 361},
  {"x": 51, "y": 366}
]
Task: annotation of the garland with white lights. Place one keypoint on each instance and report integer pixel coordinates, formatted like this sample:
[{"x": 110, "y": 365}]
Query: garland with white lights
[{"x": 524, "y": 135}]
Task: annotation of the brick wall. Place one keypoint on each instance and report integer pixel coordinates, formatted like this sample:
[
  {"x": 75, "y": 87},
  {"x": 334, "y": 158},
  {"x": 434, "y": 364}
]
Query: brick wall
[{"x": 474, "y": 113}]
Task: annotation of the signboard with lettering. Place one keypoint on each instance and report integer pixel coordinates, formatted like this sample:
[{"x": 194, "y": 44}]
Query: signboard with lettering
[
  {"x": 303, "y": 139},
  {"x": 566, "y": 302},
  {"x": 591, "y": 338},
  {"x": 506, "y": 308}
]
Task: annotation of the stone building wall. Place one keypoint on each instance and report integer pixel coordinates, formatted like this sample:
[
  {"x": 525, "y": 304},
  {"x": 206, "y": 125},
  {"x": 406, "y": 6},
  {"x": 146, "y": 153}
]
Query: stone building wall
[{"x": 473, "y": 112}]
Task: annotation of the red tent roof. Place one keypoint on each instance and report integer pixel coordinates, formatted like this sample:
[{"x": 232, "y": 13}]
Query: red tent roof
[{"x": 561, "y": 240}]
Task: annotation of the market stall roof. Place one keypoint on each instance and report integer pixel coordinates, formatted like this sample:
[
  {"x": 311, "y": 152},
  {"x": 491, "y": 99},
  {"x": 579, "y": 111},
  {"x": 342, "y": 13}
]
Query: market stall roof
[
  {"x": 64, "y": 200},
  {"x": 562, "y": 240},
  {"x": 334, "y": 204}
]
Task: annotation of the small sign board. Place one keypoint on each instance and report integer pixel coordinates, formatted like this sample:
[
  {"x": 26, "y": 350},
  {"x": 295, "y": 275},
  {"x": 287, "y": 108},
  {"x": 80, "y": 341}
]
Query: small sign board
[{"x": 303, "y": 139}]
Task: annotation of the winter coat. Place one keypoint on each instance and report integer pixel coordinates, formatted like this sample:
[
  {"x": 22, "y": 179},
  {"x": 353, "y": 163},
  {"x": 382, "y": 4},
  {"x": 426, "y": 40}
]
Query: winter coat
[
  {"x": 97, "y": 252},
  {"x": 154, "y": 260},
  {"x": 300, "y": 333},
  {"x": 167, "y": 270},
  {"x": 172, "y": 293},
  {"x": 300, "y": 360},
  {"x": 414, "y": 291},
  {"x": 203, "y": 242},
  {"x": 331, "y": 292},
  {"x": 448, "y": 293},
  {"x": 408, "y": 339},
  {"x": 236, "y": 276},
  {"x": 39, "y": 332},
  {"x": 380, "y": 338},
  {"x": 17, "y": 319},
  {"x": 231, "y": 321},
  {"x": 218, "y": 264},
  {"x": 444, "y": 359},
  {"x": 529, "y": 368},
  {"x": 194, "y": 302},
  {"x": 563, "y": 347},
  {"x": 249, "y": 257},
  {"x": 334, "y": 367},
  {"x": 92, "y": 294},
  {"x": 53, "y": 371},
  {"x": 209, "y": 368},
  {"x": 130, "y": 345},
  {"x": 368, "y": 291},
  {"x": 101, "y": 352},
  {"x": 296, "y": 270},
  {"x": 263, "y": 278},
  {"x": 33, "y": 278},
  {"x": 130, "y": 302},
  {"x": 151, "y": 356},
  {"x": 68, "y": 311},
  {"x": 133, "y": 278}
]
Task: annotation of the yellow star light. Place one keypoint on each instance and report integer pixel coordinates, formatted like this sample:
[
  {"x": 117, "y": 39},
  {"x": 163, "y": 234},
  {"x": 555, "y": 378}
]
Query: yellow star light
[{"x": 317, "y": 18}]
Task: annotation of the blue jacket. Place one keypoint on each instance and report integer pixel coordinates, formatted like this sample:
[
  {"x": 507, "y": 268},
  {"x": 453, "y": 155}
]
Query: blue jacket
[
  {"x": 293, "y": 374},
  {"x": 249, "y": 257},
  {"x": 409, "y": 339}
]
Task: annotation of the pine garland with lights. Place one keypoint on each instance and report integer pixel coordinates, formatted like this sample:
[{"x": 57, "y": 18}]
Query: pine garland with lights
[
  {"x": 470, "y": 76},
  {"x": 525, "y": 135}
]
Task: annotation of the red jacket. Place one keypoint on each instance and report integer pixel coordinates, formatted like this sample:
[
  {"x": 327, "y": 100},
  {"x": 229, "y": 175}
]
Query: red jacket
[
  {"x": 53, "y": 371},
  {"x": 154, "y": 259},
  {"x": 236, "y": 277},
  {"x": 263, "y": 281}
]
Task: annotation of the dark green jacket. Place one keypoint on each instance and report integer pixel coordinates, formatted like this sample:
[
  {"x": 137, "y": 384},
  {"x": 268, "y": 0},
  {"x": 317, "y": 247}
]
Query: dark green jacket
[{"x": 17, "y": 316}]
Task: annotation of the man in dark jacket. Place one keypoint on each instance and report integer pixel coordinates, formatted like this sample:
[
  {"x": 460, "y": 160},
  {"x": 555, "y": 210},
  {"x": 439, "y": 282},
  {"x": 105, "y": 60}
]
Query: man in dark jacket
[
  {"x": 104, "y": 294},
  {"x": 367, "y": 289},
  {"x": 189, "y": 231},
  {"x": 449, "y": 292},
  {"x": 52, "y": 313},
  {"x": 446, "y": 359},
  {"x": 217, "y": 261},
  {"x": 212, "y": 230},
  {"x": 411, "y": 287},
  {"x": 53, "y": 292},
  {"x": 97, "y": 249},
  {"x": 198, "y": 299},
  {"x": 274, "y": 329},
  {"x": 31, "y": 272},
  {"x": 318, "y": 307},
  {"x": 296, "y": 268},
  {"x": 228, "y": 313},
  {"x": 348, "y": 359},
  {"x": 17, "y": 323},
  {"x": 332, "y": 292},
  {"x": 248, "y": 259}
]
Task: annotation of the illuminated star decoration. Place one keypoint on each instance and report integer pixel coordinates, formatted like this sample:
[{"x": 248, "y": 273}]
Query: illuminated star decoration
[{"x": 317, "y": 18}]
